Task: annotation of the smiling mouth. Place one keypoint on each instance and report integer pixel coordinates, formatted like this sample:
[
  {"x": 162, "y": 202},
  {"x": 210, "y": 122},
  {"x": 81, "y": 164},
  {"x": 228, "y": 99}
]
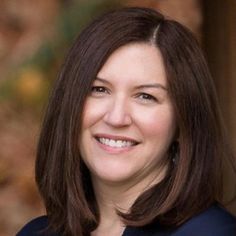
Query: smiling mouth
[{"x": 119, "y": 143}]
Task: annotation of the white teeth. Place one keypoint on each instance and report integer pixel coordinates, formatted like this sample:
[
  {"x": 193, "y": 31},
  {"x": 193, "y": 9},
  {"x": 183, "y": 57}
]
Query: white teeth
[{"x": 115, "y": 143}]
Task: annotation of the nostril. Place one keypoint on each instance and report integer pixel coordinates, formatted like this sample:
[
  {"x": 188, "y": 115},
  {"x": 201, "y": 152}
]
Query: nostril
[{"x": 118, "y": 115}]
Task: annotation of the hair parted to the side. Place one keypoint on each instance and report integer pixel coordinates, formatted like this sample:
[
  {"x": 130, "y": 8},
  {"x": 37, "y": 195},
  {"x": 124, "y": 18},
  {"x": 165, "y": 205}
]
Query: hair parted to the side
[{"x": 191, "y": 185}]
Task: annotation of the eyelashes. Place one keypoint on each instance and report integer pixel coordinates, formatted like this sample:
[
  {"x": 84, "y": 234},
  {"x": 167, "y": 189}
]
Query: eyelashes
[
  {"x": 146, "y": 96},
  {"x": 100, "y": 91}
]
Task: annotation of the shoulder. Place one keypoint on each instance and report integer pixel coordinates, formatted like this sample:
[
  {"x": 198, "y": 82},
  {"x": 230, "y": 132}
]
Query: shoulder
[
  {"x": 36, "y": 227},
  {"x": 213, "y": 221}
]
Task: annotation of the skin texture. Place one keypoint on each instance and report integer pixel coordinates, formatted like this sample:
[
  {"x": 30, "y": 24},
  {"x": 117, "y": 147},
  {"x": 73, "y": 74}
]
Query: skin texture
[{"x": 128, "y": 101}]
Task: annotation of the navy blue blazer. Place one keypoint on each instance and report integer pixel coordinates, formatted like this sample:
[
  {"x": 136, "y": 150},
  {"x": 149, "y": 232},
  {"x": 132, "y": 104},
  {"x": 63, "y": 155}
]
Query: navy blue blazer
[{"x": 215, "y": 221}]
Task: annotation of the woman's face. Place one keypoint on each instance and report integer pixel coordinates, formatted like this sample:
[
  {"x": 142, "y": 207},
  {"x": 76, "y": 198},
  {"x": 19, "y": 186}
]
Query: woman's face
[{"x": 128, "y": 122}]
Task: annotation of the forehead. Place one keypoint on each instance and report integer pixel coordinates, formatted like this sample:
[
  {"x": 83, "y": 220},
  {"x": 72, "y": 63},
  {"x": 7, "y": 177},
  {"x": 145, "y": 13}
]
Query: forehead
[{"x": 135, "y": 62}]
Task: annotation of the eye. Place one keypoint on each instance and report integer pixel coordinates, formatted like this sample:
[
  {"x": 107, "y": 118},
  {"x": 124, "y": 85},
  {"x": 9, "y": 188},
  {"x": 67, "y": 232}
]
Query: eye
[
  {"x": 146, "y": 97},
  {"x": 98, "y": 90}
]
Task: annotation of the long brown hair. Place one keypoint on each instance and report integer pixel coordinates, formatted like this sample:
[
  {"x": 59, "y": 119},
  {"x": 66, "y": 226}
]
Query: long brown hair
[{"x": 192, "y": 183}]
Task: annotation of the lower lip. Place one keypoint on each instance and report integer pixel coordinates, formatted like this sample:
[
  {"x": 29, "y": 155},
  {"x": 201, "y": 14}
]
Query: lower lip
[{"x": 114, "y": 150}]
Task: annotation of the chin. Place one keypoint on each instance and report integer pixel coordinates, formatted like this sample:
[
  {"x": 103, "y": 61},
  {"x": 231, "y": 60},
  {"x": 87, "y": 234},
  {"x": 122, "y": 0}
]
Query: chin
[{"x": 112, "y": 176}]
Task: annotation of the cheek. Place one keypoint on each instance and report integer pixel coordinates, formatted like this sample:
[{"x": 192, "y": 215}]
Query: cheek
[
  {"x": 159, "y": 123},
  {"x": 92, "y": 112}
]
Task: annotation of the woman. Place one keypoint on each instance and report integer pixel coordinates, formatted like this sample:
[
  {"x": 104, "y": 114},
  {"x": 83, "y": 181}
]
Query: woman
[{"x": 132, "y": 140}]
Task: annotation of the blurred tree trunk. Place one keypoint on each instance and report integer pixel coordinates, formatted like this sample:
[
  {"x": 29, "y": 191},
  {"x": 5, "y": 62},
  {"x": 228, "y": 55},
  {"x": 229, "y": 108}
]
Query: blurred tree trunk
[{"x": 219, "y": 40}]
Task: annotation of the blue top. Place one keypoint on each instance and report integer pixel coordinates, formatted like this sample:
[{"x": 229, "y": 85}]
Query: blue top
[{"x": 214, "y": 221}]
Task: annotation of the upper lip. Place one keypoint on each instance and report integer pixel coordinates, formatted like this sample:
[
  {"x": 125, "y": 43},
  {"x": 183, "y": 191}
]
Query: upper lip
[{"x": 116, "y": 137}]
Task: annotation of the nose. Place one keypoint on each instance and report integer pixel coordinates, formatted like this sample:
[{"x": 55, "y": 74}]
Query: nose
[{"x": 118, "y": 114}]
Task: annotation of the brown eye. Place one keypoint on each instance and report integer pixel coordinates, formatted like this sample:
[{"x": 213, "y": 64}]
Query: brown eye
[
  {"x": 98, "y": 89},
  {"x": 147, "y": 97}
]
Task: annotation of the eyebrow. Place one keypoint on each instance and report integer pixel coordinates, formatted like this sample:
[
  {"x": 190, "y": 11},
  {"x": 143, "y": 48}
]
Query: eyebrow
[
  {"x": 154, "y": 85},
  {"x": 102, "y": 80},
  {"x": 142, "y": 86}
]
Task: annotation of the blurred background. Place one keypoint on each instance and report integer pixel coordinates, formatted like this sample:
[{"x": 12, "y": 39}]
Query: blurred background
[{"x": 34, "y": 37}]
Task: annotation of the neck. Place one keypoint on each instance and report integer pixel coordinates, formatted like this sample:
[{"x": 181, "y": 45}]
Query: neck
[{"x": 120, "y": 196}]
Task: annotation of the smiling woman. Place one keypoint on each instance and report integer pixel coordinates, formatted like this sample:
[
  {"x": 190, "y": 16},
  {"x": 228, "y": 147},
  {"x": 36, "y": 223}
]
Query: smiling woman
[
  {"x": 132, "y": 142},
  {"x": 128, "y": 119}
]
